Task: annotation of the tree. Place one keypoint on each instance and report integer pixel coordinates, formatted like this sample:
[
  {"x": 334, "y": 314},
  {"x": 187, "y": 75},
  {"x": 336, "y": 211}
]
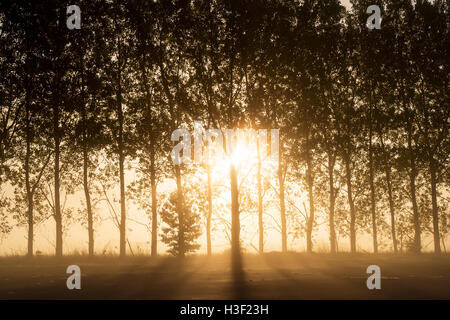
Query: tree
[
  {"x": 88, "y": 89},
  {"x": 192, "y": 230},
  {"x": 116, "y": 76},
  {"x": 26, "y": 85},
  {"x": 348, "y": 121},
  {"x": 147, "y": 109},
  {"x": 431, "y": 64},
  {"x": 10, "y": 104},
  {"x": 403, "y": 79}
]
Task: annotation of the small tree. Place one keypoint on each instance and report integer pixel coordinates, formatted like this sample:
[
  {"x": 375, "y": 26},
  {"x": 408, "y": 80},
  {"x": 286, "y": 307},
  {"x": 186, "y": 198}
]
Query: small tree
[{"x": 191, "y": 224}]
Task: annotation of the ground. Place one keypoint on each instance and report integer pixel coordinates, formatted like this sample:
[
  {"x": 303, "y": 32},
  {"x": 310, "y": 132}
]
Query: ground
[{"x": 272, "y": 276}]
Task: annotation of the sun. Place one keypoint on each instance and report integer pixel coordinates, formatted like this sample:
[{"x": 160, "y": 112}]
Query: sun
[{"x": 240, "y": 155}]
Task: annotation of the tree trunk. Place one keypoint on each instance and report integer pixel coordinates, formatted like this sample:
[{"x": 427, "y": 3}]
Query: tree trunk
[
  {"x": 180, "y": 209},
  {"x": 236, "y": 259},
  {"x": 208, "y": 218},
  {"x": 260, "y": 201},
  {"x": 310, "y": 182},
  {"x": 87, "y": 194},
  {"x": 123, "y": 215},
  {"x": 28, "y": 188},
  {"x": 331, "y": 163},
  {"x": 88, "y": 201},
  {"x": 391, "y": 207},
  {"x": 372, "y": 191},
  {"x": 122, "y": 230},
  {"x": 154, "y": 250},
  {"x": 120, "y": 146},
  {"x": 432, "y": 168},
  {"x": 387, "y": 169},
  {"x": 30, "y": 225},
  {"x": 412, "y": 185},
  {"x": 58, "y": 215},
  {"x": 348, "y": 175},
  {"x": 282, "y": 203}
]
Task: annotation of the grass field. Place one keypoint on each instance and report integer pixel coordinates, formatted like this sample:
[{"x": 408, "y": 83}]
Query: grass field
[{"x": 272, "y": 276}]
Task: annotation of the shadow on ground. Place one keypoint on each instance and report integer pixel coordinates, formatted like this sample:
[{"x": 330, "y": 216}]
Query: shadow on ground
[{"x": 272, "y": 276}]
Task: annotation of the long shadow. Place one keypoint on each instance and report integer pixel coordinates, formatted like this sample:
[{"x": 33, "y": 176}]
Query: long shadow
[
  {"x": 166, "y": 281},
  {"x": 318, "y": 285},
  {"x": 346, "y": 279},
  {"x": 238, "y": 288}
]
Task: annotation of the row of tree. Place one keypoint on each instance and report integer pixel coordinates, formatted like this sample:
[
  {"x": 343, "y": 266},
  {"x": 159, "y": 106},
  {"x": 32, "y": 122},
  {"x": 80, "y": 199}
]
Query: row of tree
[{"x": 363, "y": 114}]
